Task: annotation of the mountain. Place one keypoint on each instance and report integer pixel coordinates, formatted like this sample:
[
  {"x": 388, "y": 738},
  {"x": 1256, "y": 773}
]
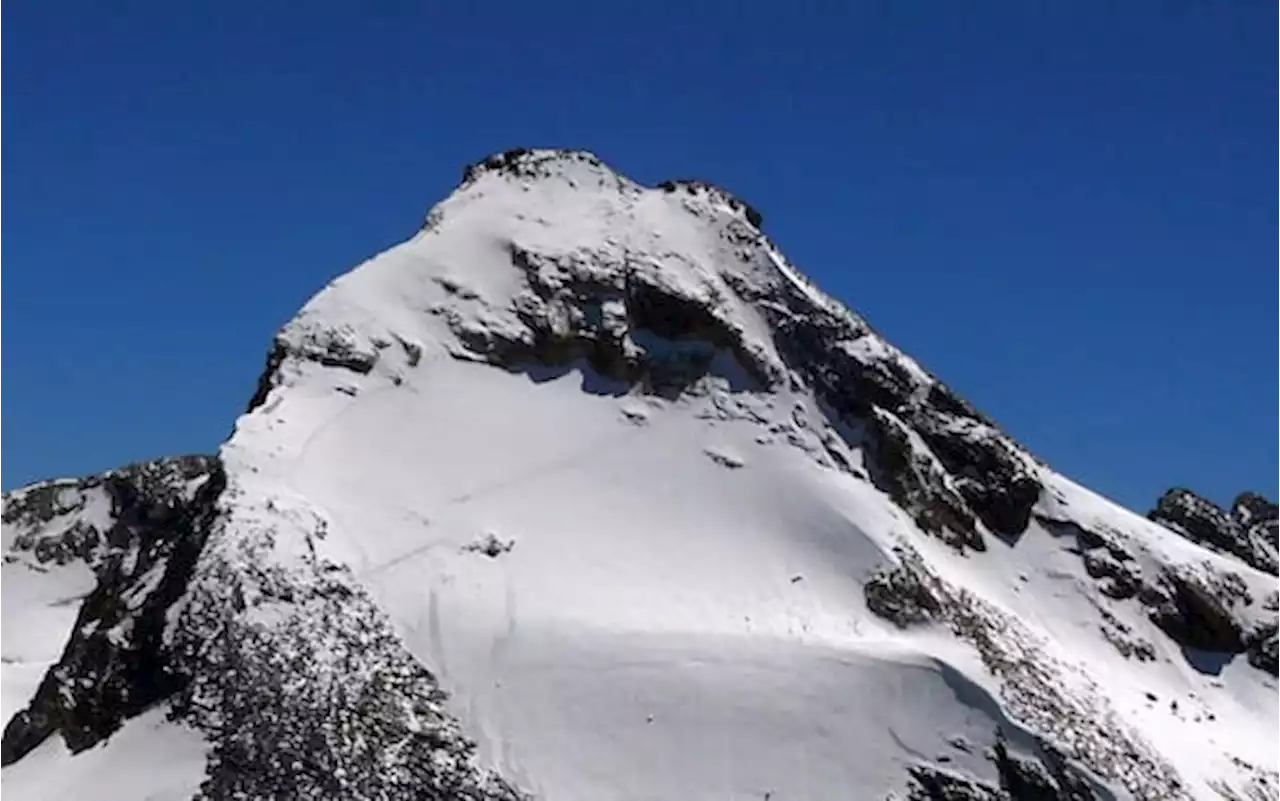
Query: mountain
[{"x": 586, "y": 492}]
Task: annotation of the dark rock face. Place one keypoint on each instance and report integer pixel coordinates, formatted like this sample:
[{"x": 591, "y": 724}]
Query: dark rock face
[
  {"x": 901, "y": 595},
  {"x": 1263, "y": 649},
  {"x": 1197, "y": 611},
  {"x": 506, "y": 160},
  {"x": 694, "y": 185},
  {"x": 300, "y": 684},
  {"x": 367, "y": 721},
  {"x": 918, "y": 483},
  {"x": 1198, "y": 606},
  {"x": 932, "y": 783},
  {"x": 266, "y": 381},
  {"x": 1118, "y": 577},
  {"x": 1050, "y": 778},
  {"x": 1257, "y": 517},
  {"x": 1105, "y": 559},
  {"x": 41, "y": 504},
  {"x": 1021, "y": 778},
  {"x": 330, "y": 349},
  {"x": 1207, "y": 611},
  {"x": 966, "y": 470},
  {"x": 990, "y": 475},
  {"x": 628, "y": 328},
  {"x": 116, "y": 663},
  {"x": 1247, "y": 532},
  {"x": 526, "y": 164},
  {"x": 1202, "y": 613}
]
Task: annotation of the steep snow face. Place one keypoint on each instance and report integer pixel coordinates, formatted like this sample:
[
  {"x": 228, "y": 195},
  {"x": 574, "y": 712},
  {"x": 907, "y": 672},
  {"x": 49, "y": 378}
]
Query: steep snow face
[
  {"x": 621, "y": 478},
  {"x": 665, "y": 521}
]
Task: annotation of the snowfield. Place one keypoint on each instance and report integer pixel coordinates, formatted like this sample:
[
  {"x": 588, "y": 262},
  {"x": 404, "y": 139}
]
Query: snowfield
[{"x": 573, "y": 449}]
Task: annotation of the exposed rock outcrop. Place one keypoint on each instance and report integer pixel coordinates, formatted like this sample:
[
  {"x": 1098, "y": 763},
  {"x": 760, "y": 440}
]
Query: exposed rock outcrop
[
  {"x": 117, "y": 662},
  {"x": 304, "y": 691},
  {"x": 1031, "y": 689},
  {"x": 958, "y": 468},
  {"x": 1263, "y": 649},
  {"x": 1199, "y": 606},
  {"x": 902, "y": 594},
  {"x": 324, "y": 702},
  {"x": 1248, "y": 531},
  {"x": 1197, "y": 609},
  {"x": 695, "y": 186},
  {"x": 1104, "y": 556},
  {"x": 1020, "y": 777},
  {"x": 1257, "y": 517}
]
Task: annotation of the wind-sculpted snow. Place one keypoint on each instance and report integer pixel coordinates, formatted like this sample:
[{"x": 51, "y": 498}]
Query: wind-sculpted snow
[{"x": 586, "y": 492}]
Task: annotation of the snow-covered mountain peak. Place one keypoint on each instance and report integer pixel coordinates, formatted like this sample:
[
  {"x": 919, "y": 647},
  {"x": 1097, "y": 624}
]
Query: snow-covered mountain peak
[
  {"x": 550, "y": 257},
  {"x": 531, "y": 164},
  {"x": 586, "y": 492},
  {"x": 581, "y": 169}
]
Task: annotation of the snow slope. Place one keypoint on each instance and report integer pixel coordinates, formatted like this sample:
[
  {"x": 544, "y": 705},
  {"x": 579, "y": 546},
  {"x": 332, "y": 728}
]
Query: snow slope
[{"x": 632, "y": 490}]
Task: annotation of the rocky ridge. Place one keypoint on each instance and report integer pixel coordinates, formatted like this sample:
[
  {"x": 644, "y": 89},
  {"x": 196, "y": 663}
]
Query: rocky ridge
[{"x": 1248, "y": 531}]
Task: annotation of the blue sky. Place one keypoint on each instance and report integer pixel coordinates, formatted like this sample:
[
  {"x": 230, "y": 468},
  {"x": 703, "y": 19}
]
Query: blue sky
[{"x": 1066, "y": 210}]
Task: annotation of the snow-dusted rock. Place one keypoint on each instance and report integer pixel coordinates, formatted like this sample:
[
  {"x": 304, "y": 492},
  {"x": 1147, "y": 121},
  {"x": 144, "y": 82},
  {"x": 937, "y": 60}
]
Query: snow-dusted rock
[
  {"x": 1248, "y": 530},
  {"x": 128, "y": 540}
]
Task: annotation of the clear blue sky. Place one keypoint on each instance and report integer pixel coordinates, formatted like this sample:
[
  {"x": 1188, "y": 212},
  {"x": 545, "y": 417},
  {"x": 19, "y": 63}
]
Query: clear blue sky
[{"x": 1066, "y": 210}]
